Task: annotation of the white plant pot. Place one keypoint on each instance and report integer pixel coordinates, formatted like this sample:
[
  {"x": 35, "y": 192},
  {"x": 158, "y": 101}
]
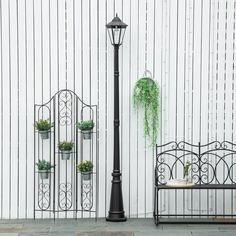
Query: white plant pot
[
  {"x": 44, "y": 134},
  {"x": 43, "y": 174},
  {"x": 86, "y": 176},
  {"x": 87, "y": 134},
  {"x": 65, "y": 155},
  {"x": 187, "y": 178}
]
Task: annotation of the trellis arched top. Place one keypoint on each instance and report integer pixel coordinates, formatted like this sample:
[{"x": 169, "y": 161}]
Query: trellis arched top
[{"x": 65, "y": 91}]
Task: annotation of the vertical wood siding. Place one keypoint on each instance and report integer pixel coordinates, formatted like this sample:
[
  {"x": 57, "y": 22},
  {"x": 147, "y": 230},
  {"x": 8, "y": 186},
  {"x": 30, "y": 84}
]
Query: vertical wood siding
[{"x": 188, "y": 45}]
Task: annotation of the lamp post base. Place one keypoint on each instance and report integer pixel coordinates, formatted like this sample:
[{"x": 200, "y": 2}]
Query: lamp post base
[
  {"x": 116, "y": 212},
  {"x": 116, "y": 217}
]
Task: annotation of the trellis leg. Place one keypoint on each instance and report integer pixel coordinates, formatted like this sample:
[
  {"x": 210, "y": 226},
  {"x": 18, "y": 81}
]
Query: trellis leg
[
  {"x": 34, "y": 160},
  {"x": 54, "y": 161}
]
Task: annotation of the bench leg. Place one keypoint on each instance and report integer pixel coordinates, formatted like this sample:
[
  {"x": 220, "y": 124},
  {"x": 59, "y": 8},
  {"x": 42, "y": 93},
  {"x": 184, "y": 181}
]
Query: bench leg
[{"x": 155, "y": 213}]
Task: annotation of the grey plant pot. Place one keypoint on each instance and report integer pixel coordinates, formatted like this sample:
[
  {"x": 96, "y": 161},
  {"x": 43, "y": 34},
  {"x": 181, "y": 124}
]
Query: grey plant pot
[
  {"x": 86, "y": 176},
  {"x": 43, "y": 174},
  {"x": 87, "y": 134},
  {"x": 65, "y": 155},
  {"x": 44, "y": 134}
]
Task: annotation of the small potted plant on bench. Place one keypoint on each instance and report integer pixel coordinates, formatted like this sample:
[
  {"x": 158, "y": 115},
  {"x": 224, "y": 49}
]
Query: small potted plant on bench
[
  {"x": 65, "y": 148},
  {"x": 43, "y": 127},
  {"x": 187, "y": 167},
  {"x": 85, "y": 167},
  {"x": 86, "y": 128},
  {"x": 44, "y": 168}
]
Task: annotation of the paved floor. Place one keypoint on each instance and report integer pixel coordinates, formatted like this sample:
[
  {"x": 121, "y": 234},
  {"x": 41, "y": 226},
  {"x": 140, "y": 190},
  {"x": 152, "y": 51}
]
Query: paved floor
[{"x": 133, "y": 227}]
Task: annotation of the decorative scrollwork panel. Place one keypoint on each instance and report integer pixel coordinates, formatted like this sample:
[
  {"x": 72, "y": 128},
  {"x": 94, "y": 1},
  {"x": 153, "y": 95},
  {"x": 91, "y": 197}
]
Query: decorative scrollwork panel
[
  {"x": 65, "y": 196},
  {"x": 65, "y": 107},
  {"x": 44, "y": 196},
  {"x": 210, "y": 164},
  {"x": 86, "y": 195}
]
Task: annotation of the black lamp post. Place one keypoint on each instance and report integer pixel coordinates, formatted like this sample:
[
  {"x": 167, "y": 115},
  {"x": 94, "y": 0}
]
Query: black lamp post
[{"x": 116, "y": 29}]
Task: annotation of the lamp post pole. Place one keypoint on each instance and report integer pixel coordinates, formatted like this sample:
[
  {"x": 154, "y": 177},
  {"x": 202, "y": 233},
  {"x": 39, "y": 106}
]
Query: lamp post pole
[
  {"x": 116, "y": 212},
  {"x": 116, "y": 164}
]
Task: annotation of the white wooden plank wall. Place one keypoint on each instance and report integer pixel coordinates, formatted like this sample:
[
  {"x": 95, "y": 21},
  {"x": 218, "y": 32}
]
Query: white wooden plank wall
[{"x": 188, "y": 45}]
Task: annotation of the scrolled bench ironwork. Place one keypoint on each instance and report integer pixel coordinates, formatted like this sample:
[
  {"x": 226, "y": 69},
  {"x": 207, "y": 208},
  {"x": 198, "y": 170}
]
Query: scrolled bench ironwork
[{"x": 213, "y": 168}]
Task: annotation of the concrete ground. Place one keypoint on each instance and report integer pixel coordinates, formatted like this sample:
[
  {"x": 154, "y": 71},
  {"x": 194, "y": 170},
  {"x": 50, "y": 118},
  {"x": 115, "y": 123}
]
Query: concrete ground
[{"x": 90, "y": 227}]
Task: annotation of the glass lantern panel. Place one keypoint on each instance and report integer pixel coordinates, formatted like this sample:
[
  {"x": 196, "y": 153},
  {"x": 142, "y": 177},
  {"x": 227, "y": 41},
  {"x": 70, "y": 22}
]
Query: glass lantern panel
[
  {"x": 116, "y": 35},
  {"x": 122, "y": 33},
  {"x": 110, "y": 35}
]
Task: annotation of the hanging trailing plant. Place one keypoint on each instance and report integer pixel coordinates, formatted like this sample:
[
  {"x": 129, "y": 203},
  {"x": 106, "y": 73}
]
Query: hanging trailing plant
[{"x": 146, "y": 96}]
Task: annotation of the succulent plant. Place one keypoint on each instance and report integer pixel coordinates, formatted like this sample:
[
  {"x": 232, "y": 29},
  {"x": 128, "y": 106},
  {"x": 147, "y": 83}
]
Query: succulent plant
[{"x": 85, "y": 166}]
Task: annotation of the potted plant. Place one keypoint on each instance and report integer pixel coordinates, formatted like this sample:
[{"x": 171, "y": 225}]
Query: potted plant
[
  {"x": 43, "y": 127},
  {"x": 44, "y": 168},
  {"x": 86, "y": 127},
  {"x": 65, "y": 148},
  {"x": 187, "y": 167},
  {"x": 146, "y": 97},
  {"x": 85, "y": 167}
]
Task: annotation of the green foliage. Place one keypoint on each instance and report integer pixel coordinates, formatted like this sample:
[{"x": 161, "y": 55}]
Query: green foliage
[
  {"x": 65, "y": 146},
  {"x": 85, "y": 166},
  {"x": 187, "y": 168},
  {"x": 44, "y": 165},
  {"x": 146, "y": 96},
  {"x": 85, "y": 125},
  {"x": 43, "y": 125}
]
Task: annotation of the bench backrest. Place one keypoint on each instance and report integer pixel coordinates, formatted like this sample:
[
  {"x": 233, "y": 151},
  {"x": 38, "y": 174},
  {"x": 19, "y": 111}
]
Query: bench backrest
[{"x": 212, "y": 163}]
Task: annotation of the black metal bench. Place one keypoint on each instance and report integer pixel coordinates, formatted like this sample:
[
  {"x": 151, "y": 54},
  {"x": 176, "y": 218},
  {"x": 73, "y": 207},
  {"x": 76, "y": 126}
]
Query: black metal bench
[{"x": 213, "y": 168}]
